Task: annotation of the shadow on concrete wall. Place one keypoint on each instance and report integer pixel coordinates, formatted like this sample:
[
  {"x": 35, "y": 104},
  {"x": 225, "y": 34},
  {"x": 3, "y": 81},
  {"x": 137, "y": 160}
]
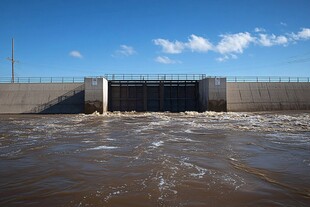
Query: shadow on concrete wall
[{"x": 71, "y": 102}]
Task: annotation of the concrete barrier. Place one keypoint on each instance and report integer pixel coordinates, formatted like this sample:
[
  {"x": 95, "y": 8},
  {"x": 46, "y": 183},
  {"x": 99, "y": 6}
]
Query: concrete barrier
[
  {"x": 42, "y": 98},
  {"x": 96, "y": 95},
  {"x": 212, "y": 94},
  {"x": 268, "y": 96}
]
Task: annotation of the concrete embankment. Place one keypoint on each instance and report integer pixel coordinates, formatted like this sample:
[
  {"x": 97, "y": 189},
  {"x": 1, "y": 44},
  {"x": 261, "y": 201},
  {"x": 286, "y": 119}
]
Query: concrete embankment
[
  {"x": 267, "y": 96},
  {"x": 42, "y": 98}
]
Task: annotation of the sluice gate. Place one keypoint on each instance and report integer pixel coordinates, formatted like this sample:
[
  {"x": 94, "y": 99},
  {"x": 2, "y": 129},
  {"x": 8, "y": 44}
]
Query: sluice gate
[{"x": 153, "y": 95}]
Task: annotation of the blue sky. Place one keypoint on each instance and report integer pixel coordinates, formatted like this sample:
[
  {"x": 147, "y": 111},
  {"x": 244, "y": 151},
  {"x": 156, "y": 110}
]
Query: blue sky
[{"x": 97, "y": 37}]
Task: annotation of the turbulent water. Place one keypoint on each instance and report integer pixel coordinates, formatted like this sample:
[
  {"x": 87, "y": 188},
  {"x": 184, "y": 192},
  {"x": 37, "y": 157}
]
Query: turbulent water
[{"x": 155, "y": 159}]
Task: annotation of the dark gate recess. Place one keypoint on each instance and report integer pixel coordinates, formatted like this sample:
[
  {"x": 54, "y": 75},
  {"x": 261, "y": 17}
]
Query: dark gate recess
[{"x": 165, "y": 95}]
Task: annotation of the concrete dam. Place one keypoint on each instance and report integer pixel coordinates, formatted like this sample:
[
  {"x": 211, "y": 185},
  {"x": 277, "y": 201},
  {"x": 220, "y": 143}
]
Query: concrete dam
[{"x": 154, "y": 93}]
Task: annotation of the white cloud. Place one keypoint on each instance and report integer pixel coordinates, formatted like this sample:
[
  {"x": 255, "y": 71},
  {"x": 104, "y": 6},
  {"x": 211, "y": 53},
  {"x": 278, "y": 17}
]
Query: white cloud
[
  {"x": 165, "y": 60},
  {"x": 264, "y": 40},
  {"x": 281, "y": 40},
  {"x": 226, "y": 57},
  {"x": 258, "y": 29},
  {"x": 283, "y": 24},
  {"x": 195, "y": 44},
  {"x": 222, "y": 59},
  {"x": 170, "y": 47},
  {"x": 303, "y": 34},
  {"x": 126, "y": 50},
  {"x": 233, "y": 56},
  {"x": 230, "y": 45},
  {"x": 75, "y": 54},
  {"x": 234, "y": 43},
  {"x": 198, "y": 44},
  {"x": 271, "y": 40}
]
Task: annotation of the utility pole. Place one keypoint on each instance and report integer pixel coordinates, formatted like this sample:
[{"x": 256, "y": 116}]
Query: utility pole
[{"x": 12, "y": 60}]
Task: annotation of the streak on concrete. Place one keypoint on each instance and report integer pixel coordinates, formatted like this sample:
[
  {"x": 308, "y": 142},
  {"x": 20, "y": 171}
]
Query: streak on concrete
[
  {"x": 96, "y": 95},
  {"x": 266, "y": 96},
  {"x": 41, "y": 98}
]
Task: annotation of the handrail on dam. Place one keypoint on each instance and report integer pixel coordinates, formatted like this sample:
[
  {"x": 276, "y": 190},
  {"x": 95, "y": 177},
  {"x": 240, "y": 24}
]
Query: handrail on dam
[
  {"x": 154, "y": 77},
  {"x": 267, "y": 79},
  {"x": 42, "y": 80}
]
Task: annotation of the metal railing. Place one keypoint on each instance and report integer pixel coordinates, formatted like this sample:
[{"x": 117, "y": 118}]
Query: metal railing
[
  {"x": 42, "y": 80},
  {"x": 266, "y": 79},
  {"x": 155, "y": 77}
]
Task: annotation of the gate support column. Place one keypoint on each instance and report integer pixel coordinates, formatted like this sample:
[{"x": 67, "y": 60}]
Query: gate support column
[
  {"x": 96, "y": 95},
  {"x": 212, "y": 94}
]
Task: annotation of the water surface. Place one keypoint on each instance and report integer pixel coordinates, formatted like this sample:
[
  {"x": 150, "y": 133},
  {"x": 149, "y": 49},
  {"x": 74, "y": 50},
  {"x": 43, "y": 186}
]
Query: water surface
[{"x": 155, "y": 159}]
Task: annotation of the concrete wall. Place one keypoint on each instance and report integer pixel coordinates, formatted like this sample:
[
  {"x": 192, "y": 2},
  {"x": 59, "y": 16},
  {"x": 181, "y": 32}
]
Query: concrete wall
[
  {"x": 41, "y": 98},
  {"x": 96, "y": 95},
  {"x": 268, "y": 96},
  {"x": 212, "y": 94}
]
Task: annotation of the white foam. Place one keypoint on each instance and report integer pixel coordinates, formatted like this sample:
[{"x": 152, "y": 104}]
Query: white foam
[
  {"x": 100, "y": 161},
  {"x": 201, "y": 172},
  {"x": 191, "y": 113},
  {"x": 233, "y": 159},
  {"x": 110, "y": 139},
  {"x": 186, "y": 164},
  {"x": 214, "y": 120},
  {"x": 11, "y": 154},
  {"x": 307, "y": 162},
  {"x": 116, "y": 192},
  {"x": 103, "y": 147},
  {"x": 164, "y": 186},
  {"x": 233, "y": 180},
  {"x": 157, "y": 144},
  {"x": 96, "y": 113},
  {"x": 181, "y": 139},
  {"x": 87, "y": 141},
  {"x": 161, "y": 182}
]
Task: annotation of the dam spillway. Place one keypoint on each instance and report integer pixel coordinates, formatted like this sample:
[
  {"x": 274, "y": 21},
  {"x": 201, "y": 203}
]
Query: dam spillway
[
  {"x": 156, "y": 93},
  {"x": 166, "y": 95}
]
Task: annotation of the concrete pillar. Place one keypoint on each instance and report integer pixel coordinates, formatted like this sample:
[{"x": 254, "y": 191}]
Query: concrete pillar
[
  {"x": 96, "y": 95},
  {"x": 212, "y": 94}
]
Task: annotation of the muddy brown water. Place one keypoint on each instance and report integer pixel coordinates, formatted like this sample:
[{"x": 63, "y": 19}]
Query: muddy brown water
[{"x": 155, "y": 159}]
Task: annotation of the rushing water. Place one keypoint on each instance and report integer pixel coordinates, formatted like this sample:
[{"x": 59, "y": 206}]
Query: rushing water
[{"x": 155, "y": 159}]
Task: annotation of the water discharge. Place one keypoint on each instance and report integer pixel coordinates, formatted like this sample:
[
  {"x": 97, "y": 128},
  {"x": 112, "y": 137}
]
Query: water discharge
[{"x": 155, "y": 159}]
